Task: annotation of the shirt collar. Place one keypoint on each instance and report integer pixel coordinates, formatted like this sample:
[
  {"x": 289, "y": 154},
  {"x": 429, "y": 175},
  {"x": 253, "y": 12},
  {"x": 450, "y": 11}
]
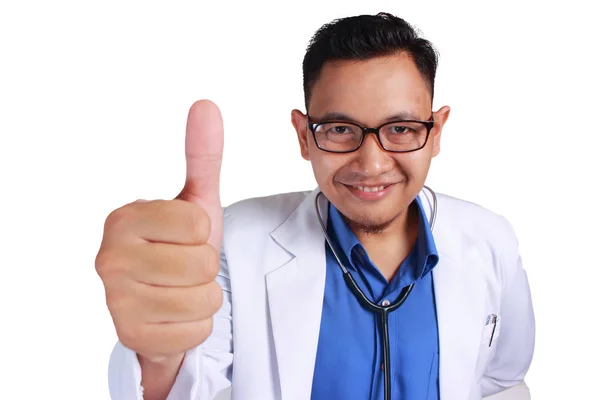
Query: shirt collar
[
  {"x": 345, "y": 240},
  {"x": 427, "y": 255}
]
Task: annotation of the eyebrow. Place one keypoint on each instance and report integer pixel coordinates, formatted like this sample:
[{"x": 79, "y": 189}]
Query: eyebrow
[{"x": 338, "y": 116}]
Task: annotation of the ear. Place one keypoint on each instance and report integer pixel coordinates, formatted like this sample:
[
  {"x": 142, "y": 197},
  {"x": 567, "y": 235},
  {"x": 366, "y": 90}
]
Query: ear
[
  {"x": 299, "y": 121},
  {"x": 440, "y": 117}
]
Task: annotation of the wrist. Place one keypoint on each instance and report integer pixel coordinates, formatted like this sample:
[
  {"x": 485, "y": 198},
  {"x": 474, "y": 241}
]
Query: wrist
[
  {"x": 159, "y": 375},
  {"x": 161, "y": 362}
]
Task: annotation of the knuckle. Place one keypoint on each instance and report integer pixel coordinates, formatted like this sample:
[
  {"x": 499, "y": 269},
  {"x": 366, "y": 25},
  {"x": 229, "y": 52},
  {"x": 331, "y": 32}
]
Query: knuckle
[
  {"x": 109, "y": 261},
  {"x": 116, "y": 218},
  {"x": 129, "y": 334},
  {"x": 101, "y": 263},
  {"x": 105, "y": 261},
  {"x": 116, "y": 301}
]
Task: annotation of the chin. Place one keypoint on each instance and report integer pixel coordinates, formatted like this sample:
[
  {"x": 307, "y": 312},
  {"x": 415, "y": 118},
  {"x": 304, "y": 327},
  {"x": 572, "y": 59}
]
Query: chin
[{"x": 370, "y": 223}]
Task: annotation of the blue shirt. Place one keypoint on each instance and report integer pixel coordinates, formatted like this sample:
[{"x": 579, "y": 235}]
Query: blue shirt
[{"x": 349, "y": 355}]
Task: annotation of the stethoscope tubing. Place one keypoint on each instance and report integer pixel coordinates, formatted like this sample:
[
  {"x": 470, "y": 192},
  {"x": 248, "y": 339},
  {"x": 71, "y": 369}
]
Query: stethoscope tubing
[{"x": 382, "y": 310}]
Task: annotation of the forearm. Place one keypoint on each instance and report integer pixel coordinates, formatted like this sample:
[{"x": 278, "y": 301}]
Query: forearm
[{"x": 158, "y": 377}]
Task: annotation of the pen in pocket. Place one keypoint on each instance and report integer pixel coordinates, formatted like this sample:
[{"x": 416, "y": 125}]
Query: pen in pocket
[{"x": 494, "y": 319}]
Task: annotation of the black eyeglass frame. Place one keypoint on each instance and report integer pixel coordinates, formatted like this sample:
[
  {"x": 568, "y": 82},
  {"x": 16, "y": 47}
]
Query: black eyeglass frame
[{"x": 312, "y": 126}]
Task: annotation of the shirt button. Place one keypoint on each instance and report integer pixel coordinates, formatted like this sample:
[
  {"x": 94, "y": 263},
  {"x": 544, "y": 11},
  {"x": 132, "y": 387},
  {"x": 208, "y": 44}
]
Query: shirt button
[{"x": 385, "y": 303}]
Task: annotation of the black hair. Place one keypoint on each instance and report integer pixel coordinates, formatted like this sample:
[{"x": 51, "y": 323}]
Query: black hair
[{"x": 363, "y": 37}]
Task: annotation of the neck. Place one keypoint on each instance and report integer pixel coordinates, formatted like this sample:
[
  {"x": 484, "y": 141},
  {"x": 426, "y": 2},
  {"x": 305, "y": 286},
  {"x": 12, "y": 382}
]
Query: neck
[{"x": 390, "y": 247}]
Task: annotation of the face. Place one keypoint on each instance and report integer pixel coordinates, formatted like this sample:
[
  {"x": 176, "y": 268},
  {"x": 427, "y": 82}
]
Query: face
[{"x": 369, "y": 93}]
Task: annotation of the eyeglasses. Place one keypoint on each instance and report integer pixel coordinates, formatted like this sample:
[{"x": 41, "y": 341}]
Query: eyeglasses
[{"x": 401, "y": 136}]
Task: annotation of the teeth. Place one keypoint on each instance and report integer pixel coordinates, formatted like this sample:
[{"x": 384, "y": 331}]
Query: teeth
[{"x": 369, "y": 189}]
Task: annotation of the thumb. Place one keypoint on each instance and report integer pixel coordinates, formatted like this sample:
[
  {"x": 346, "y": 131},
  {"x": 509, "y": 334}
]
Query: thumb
[{"x": 203, "y": 154}]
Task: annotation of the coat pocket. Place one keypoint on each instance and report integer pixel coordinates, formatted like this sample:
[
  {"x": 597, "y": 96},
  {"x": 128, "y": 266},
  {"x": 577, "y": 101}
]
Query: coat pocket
[{"x": 487, "y": 347}]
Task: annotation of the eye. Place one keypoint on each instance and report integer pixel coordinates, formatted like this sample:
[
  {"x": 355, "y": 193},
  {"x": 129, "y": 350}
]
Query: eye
[
  {"x": 404, "y": 128},
  {"x": 399, "y": 129},
  {"x": 339, "y": 129}
]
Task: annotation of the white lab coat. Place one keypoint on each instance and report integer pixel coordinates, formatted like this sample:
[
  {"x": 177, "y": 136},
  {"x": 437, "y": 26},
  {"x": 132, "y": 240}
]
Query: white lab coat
[{"x": 265, "y": 335}]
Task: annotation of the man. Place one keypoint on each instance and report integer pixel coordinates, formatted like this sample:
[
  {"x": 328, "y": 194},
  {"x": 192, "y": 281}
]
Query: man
[{"x": 437, "y": 306}]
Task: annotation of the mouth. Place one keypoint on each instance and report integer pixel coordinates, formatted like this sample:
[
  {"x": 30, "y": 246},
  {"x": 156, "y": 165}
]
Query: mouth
[
  {"x": 370, "y": 192},
  {"x": 371, "y": 188}
]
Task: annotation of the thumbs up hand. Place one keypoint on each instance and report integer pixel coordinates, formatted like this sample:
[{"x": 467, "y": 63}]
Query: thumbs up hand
[{"x": 159, "y": 259}]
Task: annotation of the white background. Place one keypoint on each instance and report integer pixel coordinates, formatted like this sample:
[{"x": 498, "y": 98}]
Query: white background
[{"x": 93, "y": 103}]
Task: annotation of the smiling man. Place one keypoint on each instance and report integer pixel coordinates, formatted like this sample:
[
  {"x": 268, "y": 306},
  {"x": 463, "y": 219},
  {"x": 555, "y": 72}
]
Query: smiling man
[{"x": 371, "y": 286}]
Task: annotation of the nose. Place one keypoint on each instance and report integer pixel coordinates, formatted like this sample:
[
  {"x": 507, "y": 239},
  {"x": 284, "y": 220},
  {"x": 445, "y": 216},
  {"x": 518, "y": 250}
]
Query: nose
[{"x": 373, "y": 160}]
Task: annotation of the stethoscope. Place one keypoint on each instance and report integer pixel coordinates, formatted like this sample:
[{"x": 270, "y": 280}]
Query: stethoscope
[{"x": 386, "y": 307}]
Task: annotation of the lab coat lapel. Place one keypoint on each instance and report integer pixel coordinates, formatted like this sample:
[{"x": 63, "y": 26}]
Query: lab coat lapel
[
  {"x": 459, "y": 306},
  {"x": 460, "y": 300},
  {"x": 295, "y": 288}
]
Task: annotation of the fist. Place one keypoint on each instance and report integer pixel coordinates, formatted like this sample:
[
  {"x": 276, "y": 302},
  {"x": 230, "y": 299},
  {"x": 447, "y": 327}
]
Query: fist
[{"x": 159, "y": 259}]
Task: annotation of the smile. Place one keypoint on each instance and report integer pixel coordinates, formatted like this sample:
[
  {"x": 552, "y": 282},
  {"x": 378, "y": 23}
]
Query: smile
[
  {"x": 369, "y": 189},
  {"x": 370, "y": 193}
]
